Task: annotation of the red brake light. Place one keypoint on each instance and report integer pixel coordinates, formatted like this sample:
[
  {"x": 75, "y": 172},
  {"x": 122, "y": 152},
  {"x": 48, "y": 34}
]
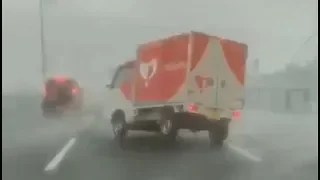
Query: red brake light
[
  {"x": 236, "y": 115},
  {"x": 59, "y": 79},
  {"x": 192, "y": 108}
]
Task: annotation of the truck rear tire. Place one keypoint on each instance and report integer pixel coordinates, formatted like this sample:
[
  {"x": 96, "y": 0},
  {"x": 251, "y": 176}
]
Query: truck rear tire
[
  {"x": 218, "y": 133},
  {"x": 119, "y": 129},
  {"x": 169, "y": 130},
  {"x": 215, "y": 140},
  {"x": 168, "y": 125}
]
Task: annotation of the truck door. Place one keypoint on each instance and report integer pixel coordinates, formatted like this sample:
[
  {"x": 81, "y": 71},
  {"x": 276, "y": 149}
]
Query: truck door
[
  {"x": 230, "y": 63},
  {"x": 118, "y": 96},
  {"x": 202, "y": 77}
]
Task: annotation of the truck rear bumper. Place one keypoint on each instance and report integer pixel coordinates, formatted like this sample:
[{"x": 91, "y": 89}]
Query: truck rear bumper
[{"x": 197, "y": 122}]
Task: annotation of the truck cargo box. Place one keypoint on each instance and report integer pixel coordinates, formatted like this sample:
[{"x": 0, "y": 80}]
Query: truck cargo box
[{"x": 190, "y": 67}]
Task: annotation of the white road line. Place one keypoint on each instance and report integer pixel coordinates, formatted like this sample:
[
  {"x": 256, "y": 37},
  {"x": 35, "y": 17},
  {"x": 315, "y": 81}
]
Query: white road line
[
  {"x": 245, "y": 153},
  {"x": 54, "y": 163}
]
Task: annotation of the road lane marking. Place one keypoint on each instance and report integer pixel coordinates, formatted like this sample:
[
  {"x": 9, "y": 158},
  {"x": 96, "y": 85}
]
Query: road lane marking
[
  {"x": 245, "y": 153},
  {"x": 54, "y": 163}
]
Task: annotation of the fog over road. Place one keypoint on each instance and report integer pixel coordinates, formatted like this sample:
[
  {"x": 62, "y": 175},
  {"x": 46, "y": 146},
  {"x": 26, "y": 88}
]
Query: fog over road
[{"x": 262, "y": 145}]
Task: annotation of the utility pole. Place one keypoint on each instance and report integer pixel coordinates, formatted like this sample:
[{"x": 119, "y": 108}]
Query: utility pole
[
  {"x": 256, "y": 67},
  {"x": 42, "y": 42}
]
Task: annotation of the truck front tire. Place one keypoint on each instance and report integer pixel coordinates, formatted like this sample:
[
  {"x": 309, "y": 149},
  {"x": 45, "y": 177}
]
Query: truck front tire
[{"x": 119, "y": 129}]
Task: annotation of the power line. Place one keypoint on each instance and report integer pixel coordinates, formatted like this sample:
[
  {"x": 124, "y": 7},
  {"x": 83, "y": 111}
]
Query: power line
[{"x": 302, "y": 45}]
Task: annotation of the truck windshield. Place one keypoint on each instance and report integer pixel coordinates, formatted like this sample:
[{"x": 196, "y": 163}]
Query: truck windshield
[{"x": 122, "y": 75}]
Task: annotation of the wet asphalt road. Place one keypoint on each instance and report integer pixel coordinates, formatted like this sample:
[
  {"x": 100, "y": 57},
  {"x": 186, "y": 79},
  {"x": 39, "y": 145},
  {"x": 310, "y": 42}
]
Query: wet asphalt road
[{"x": 261, "y": 146}]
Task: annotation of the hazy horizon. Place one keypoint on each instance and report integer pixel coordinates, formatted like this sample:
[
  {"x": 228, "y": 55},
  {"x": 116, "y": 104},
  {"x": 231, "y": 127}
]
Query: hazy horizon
[{"x": 100, "y": 34}]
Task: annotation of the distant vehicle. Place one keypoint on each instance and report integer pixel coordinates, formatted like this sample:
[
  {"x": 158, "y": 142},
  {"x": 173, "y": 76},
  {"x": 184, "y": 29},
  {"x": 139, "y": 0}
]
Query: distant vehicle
[
  {"x": 189, "y": 81},
  {"x": 61, "y": 94}
]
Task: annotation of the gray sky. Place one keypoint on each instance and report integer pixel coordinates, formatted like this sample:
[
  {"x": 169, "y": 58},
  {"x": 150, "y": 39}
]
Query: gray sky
[{"x": 273, "y": 29}]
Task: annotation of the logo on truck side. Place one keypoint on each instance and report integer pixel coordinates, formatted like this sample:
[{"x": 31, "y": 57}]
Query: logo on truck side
[
  {"x": 203, "y": 82},
  {"x": 148, "y": 70}
]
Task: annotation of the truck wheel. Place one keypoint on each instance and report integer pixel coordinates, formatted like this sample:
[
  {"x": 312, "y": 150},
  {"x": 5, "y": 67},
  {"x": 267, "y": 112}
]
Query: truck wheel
[
  {"x": 169, "y": 130},
  {"x": 215, "y": 141},
  {"x": 218, "y": 134},
  {"x": 119, "y": 128},
  {"x": 168, "y": 125}
]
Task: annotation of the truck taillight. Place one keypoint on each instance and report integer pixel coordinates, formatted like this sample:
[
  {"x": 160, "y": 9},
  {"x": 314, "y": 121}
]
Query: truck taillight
[
  {"x": 236, "y": 115},
  {"x": 192, "y": 108}
]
